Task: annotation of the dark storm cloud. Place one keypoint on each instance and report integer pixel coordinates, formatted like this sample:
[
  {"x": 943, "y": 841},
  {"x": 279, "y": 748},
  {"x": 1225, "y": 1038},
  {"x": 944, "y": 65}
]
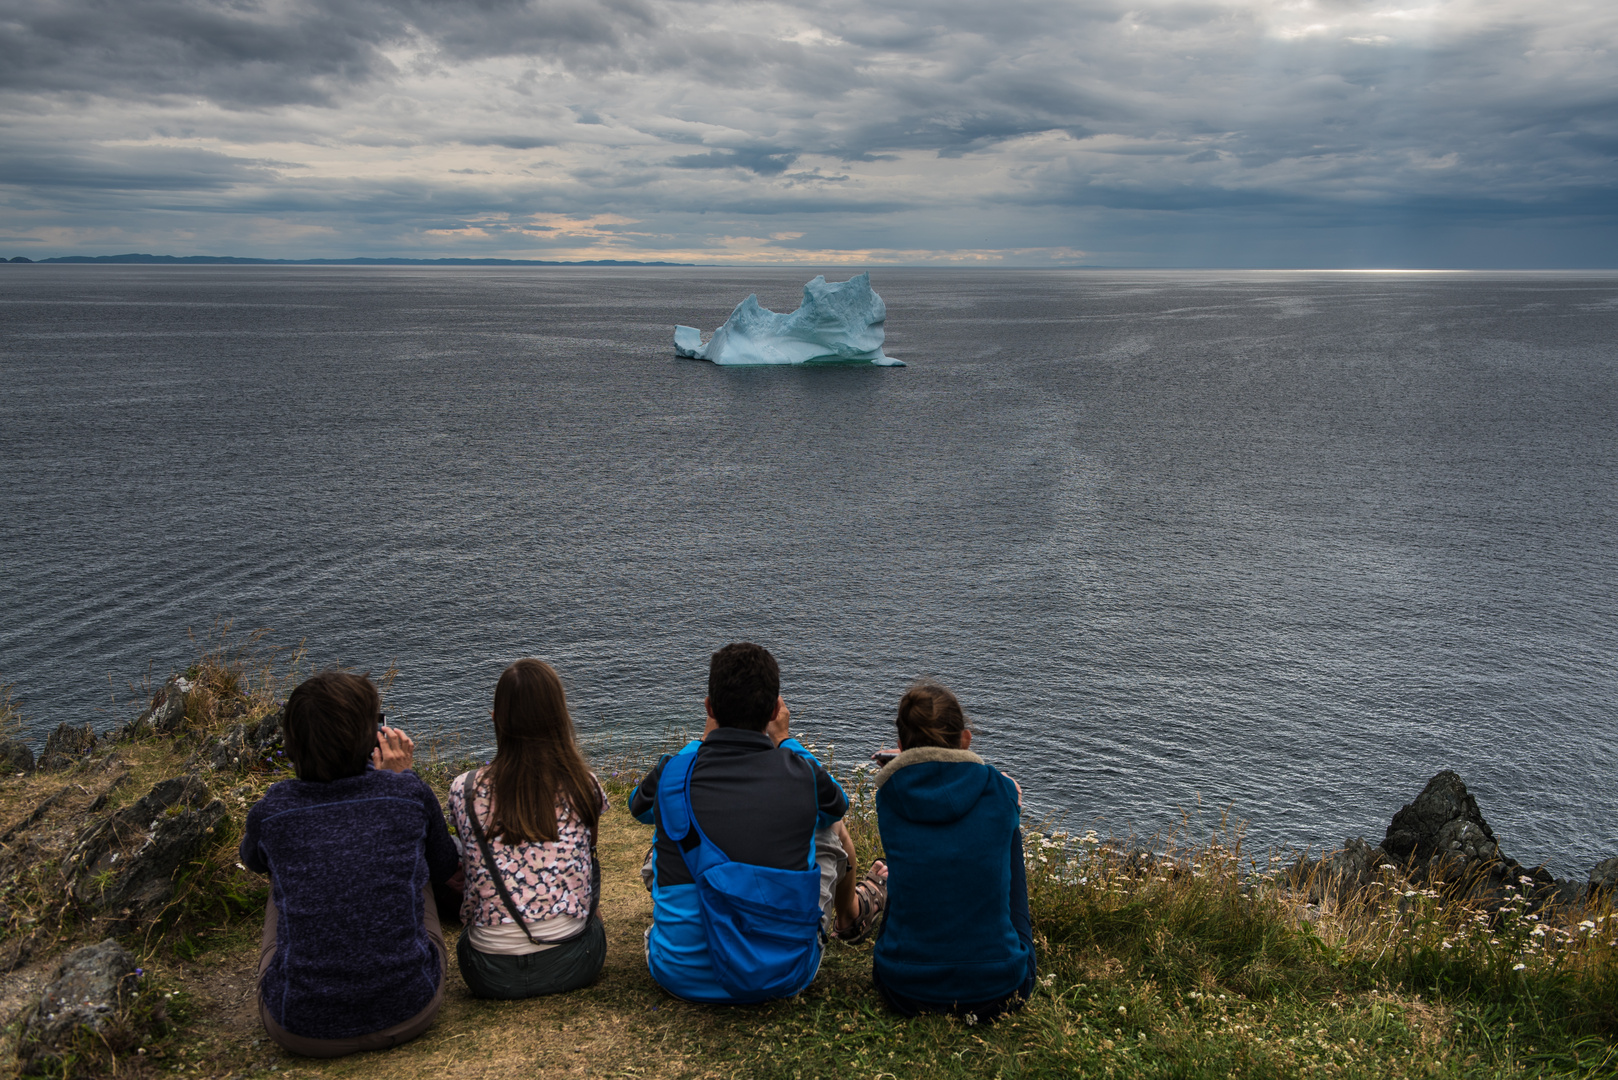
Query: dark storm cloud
[
  {"x": 138, "y": 169},
  {"x": 268, "y": 53},
  {"x": 480, "y": 28},
  {"x": 243, "y": 55},
  {"x": 763, "y": 161},
  {"x": 1044, "y": 114}
]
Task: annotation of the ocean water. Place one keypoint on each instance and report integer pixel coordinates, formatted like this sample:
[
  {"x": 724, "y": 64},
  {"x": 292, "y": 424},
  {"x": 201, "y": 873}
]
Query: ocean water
[{"x": 1282, "y": 545}]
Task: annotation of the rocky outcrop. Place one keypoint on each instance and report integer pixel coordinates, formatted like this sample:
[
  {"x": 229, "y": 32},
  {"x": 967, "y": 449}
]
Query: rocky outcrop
[
  {"x": 229, "y": 751},
  {"x": 242, "y": 745},
  {"x": 166, "y": 714},
  {"x": 89, "y": 996},
  {"x": 1604, "y": 876},
  {"x": 125, "y": 862},
  {"x": 266, "y": 734},
  {"x": 16, "y": 756},
  {"x": 1444, "y": 841},
  {"x": 1440, "y": 840},
  {"x": 1444, "y": 819},
  {"x": 1343, "y": 872},
  {"x": 66, "y": 746}
]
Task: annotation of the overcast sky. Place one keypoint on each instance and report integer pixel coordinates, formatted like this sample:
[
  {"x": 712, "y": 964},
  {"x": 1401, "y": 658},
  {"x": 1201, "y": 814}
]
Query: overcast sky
[{"x": 1332, "y": 133}]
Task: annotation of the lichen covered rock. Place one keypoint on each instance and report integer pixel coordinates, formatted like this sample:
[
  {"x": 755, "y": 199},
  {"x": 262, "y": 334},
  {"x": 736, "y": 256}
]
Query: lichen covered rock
[
  {"x": 89, "y": 997},
  {"x": 166, "y": 714},
  {"x": 126, "y": 862},
  {"x": 16, "y": 756},
  {"x": 65, "y": 746}
]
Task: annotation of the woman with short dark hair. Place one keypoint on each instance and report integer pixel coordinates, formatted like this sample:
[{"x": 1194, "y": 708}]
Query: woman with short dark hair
[
  {"x": 353, "y": 955},
  {"x": 527, "y": 823},
  {"x": 957, "y": 937}
]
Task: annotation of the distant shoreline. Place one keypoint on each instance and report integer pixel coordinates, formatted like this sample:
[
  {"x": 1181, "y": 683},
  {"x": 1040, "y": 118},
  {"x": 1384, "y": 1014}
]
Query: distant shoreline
[
  {"x": 137, "y": 259},
  {"x": 236, "y": 260}
]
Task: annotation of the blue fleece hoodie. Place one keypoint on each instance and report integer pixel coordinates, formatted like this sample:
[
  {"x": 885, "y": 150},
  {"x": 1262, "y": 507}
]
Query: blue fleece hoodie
[
  {"x": 948, "y": 822},
  {"x": 347, "y": 862}
]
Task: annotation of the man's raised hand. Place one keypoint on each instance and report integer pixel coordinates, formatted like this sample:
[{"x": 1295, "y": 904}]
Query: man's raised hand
[{"x": 394, "y": 750}]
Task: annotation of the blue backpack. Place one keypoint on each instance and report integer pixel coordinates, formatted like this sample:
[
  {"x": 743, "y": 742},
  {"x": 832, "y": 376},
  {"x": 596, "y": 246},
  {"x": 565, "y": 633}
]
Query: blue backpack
[{"x": 762, "y": 924}]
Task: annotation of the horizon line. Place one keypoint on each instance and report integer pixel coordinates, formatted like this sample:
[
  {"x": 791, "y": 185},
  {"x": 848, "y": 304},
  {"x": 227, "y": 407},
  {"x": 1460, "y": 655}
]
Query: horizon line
[{"x": 137, "y": 259}]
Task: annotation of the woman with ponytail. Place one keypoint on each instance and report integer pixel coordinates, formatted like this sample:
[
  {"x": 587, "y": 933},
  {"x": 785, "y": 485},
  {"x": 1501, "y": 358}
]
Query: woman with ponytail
[
  {"x": 527, "y": 823},
  {"x": 957, "y": 936}
]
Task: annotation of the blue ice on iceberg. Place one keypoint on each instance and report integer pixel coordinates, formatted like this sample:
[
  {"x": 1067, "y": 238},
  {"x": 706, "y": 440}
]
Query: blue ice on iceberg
[{"x": 838, "y": 322}]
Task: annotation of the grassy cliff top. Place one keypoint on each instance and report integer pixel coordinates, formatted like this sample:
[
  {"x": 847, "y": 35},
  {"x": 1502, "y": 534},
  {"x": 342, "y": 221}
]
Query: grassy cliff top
[{"x": 1201, "y": 964}]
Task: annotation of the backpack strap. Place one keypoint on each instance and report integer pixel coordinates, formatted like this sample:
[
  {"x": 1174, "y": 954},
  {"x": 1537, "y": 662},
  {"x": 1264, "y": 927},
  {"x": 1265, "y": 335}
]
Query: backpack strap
[
  {"x": 673, "y": 796},
  {"x": 680, "y": 823}
]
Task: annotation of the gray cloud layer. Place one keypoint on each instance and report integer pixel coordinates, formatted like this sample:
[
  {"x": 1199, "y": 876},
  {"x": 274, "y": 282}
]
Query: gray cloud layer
[{"x": 1032, "y": 131}]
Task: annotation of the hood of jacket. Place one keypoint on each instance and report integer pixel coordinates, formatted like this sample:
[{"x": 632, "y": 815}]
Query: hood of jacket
[{"x": 932, "y": 784}]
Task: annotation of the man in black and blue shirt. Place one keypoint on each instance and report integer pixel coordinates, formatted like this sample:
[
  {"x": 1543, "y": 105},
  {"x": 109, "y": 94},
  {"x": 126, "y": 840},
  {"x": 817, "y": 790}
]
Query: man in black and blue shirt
[{"x": 761, "y": 798}]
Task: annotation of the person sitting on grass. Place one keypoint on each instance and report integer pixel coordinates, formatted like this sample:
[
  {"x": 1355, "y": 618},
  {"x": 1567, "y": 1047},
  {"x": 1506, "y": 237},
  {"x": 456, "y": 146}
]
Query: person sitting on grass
[
  {"x": 957, "y": 936},
  {"x": 528, "y": 823},
  {"x": 353, "y": 954},
  {"x": 751, "y": 860}
]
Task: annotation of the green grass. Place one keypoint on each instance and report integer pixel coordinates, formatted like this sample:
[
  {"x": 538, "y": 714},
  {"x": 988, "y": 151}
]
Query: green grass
[{"x": 1197, "y": 964}]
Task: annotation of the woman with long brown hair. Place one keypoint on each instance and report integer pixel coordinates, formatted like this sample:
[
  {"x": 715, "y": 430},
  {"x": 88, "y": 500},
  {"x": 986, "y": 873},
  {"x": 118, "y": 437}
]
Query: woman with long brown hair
[{"x": 527, "y": 823}]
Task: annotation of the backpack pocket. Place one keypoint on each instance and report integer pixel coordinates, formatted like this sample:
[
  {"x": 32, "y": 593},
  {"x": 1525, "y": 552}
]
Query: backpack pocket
[{"x": 763, "y": 928}]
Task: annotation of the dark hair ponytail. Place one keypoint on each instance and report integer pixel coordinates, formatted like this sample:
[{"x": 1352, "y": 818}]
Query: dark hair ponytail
[{"x": 930, "y": 715}]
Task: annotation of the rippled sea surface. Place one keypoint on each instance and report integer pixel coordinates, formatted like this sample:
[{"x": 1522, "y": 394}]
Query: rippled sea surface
[{"x": 1282, "y": 543}]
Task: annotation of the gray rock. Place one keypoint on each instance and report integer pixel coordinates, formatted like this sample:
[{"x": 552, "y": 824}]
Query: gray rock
[
  {"x": 1442, "y": 840},
  {"x": 146, "y": 883},
  {"x": 1463, "y": 847},
  {"x": 15, "y": 756},
  {"x": 1416, "y": 832},
  {"x": 231, "y": 750},
  {"x": 66, "y": 746},
  {"x": 166, "y": 714},
  {"x": 91, "y": 988},
  {"x": 1495, "y": 884},
  {"x": 127, "y": 860},
  {"x": 1344, "y": 872},
  {"x": 1569, "y": 893},
  {"x": 266, "y": 734},
  {"x": 241, "y": 746},
  {"x": 1604, "y": 875}
]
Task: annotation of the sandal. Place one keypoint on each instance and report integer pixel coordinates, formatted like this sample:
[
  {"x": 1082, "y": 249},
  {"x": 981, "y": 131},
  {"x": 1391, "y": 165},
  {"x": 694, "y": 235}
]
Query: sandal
[{"x": 871, "y": 894}]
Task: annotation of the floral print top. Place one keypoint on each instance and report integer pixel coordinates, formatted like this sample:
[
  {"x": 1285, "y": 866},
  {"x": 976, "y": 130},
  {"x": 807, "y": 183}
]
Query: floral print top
[{"x": 545, "y": 879}]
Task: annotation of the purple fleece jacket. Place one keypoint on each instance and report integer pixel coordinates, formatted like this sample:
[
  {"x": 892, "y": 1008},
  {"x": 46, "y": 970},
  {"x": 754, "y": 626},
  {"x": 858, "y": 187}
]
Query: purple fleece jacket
[{"x": 347, "y": 862}]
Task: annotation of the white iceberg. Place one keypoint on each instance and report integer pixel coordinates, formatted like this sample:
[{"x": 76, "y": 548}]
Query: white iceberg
[{"x": 838, "y": 322}]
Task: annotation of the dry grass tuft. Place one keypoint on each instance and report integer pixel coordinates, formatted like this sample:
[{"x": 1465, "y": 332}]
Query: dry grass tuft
[
  {"x": 10, "y": 713},
  {"x": 238, "y": 678}
]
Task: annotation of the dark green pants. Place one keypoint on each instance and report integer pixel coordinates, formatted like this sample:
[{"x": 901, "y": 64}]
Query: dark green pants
[{"x": 569, "y": 966}]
